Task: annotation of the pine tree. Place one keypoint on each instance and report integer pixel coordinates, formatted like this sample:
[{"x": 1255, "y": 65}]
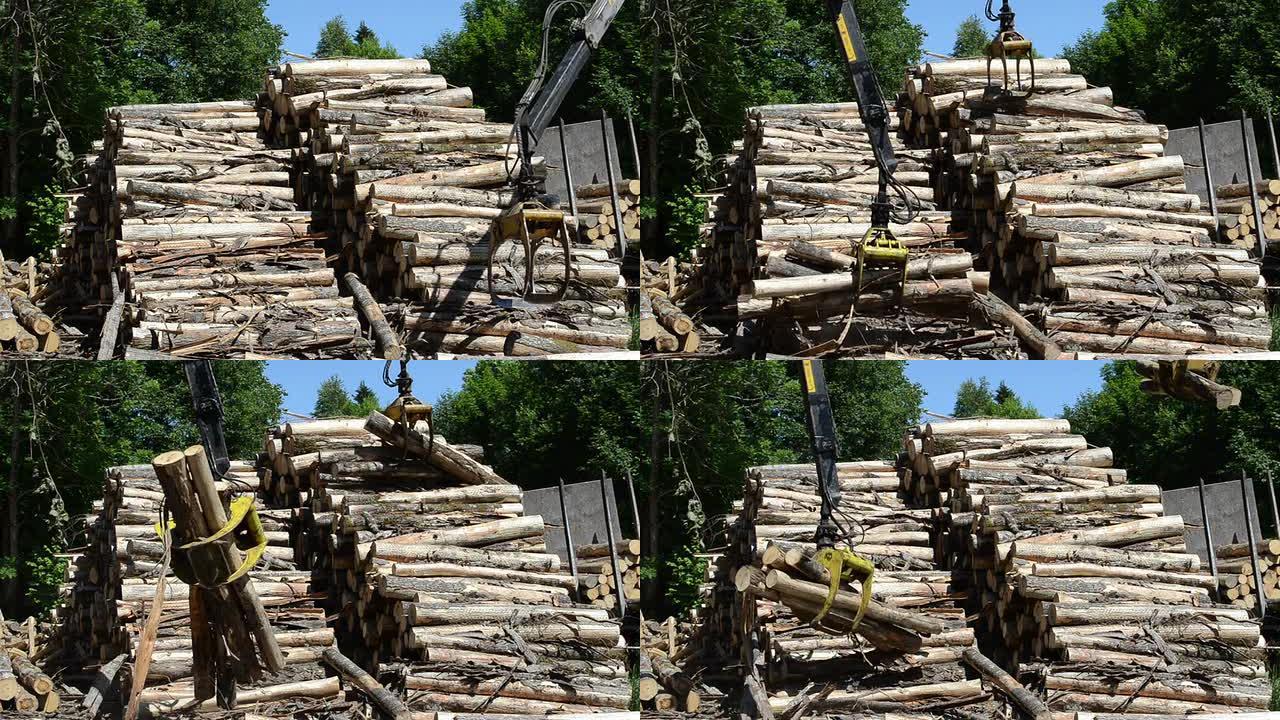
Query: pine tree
[
  {"x": 335, "y": 39},
  {"x": 366, "y": 401},
  {"x": 332, "y": 400},
  {"x": 972, "y": 38}
]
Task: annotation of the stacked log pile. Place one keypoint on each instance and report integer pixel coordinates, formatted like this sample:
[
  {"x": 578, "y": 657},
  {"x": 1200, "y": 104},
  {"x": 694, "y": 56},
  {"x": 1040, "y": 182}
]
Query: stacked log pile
[
  {"x": 1237, "y": 582},
  {"x": 799, "y": 203},
  {"x": 1237, "y": 221},
  {"x": 1077, "y": 579},
  {"x": 596, "y": 584},
  {"x": 1083, "y": 222},
  {"x": 408, "y": 177},
  {"x": 426, "y": 556},
  {"x": 25, "y": 291},
  {"x": 112, "y": 584},
  {"x": 597, "y": 223},
  {"x": 191, "y": 223},
  {"x": 905, "y": 657}
]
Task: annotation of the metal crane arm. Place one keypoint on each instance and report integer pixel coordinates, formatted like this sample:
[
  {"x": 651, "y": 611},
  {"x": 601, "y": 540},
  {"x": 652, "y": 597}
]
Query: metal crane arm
[
  {"x": 542, "y": 101},
  {"x": 208, "y": 413},
  {"x": 821, "y": 423},
  {"x": 871, "y": 104},
  {"x": 842, "y": 564}
]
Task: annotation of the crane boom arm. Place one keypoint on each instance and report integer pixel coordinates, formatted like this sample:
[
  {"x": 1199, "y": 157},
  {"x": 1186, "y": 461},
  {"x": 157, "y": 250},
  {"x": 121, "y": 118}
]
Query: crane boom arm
[
  {"x": 821, "y": 422},
  {"x": 208, "y": 413},
  {"x": 871, "y": 104},
  {"x": 542, "y": 100}
]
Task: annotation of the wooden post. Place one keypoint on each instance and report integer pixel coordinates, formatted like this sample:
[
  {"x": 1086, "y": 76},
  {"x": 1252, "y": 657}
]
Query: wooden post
[
  {"x": 568, "y": 181},
  {"x": 618, "y": 587},
  {"x": 1275, "y": 149},
  {"x": 1259, "y": 588},
  {"x": 635, "y": 146},
  {"x": 1208, "y": 178},
  {"x": 1208, "y": 541},
  {"x": 1253, "y": 189},
  {"x": 635, "y": 507},
  {"x": 613, "y": 186},
  {"x": 572, "y": 549},
  {"x": 1275, "y": 509}
]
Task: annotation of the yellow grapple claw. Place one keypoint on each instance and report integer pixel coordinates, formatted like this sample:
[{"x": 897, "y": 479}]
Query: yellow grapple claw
[
  {"x": 251, "y": 539},
  {"x": 845, "y": 566}
]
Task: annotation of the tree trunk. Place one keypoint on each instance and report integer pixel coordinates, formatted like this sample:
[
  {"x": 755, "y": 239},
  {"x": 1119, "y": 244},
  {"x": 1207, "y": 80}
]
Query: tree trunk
[
  {"x": 12, "y": 548},
  {"x": 15, "y": 130}
]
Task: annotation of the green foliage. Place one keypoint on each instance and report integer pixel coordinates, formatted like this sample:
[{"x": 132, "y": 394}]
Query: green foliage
[
  {"x": 1173, "y": 443},
  {"x": 83, "y": 417},
  {"x": 972, "y": 38},
  {"x": 1180, "y": 60},
  {"x": 332, "y": 399},
  {"x": 713, "y": 420},
  {"x": 687, "y": 572},
  {"x": 686, "y": 213},
  {"x": 45, "y": 573},
  {"x": 365, "y": 401},
  {"x": 975, "y": 399},
  {"x": 336, "y": 40},
  {"x": 98, "y": 53},
  {"x": 539, "y": 422},
  {"x": 47, "y": 212}
]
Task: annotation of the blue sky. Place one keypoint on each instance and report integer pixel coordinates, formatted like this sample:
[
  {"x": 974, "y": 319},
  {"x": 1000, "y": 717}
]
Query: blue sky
[
  {"x": 1051, "y": 25},
  {"x": 301, "y": 379},
  {"x": 1049, "y": 386},
  {"x": 406, "y": 25},
  {"x": 411, "y": 25}
]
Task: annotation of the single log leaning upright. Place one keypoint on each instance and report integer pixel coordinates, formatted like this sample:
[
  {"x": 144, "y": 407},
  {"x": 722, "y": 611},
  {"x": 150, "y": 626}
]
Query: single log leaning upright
[{"x": 233, "y": 612}]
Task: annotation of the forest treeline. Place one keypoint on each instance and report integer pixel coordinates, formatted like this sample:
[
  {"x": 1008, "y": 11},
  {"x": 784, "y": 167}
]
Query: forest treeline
[
  {"x": 685, "y": 70},
  {"x": 65, "y": 423}
]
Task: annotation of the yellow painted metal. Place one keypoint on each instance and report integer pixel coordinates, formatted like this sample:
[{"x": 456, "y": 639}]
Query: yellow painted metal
[{"x": 845, "y": 566}]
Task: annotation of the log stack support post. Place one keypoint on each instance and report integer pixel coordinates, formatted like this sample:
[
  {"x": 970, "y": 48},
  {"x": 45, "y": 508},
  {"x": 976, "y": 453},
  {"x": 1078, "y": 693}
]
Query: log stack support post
[
  {"x": 1208, "y": 542},
  {"x": 1275, "y": 509},
  {"x": 613, "y": 548},
  {"x": 568, "y": 182},
  {"x": 1275, "y": 148},
  {"x": 635, "y": 507},
  {"x": 1253, "y": 186},
  {"x": 1208, "y": 183},
  {"x": 1259, "y": 588},
  {"x": 570, "y": 548},
  {"x": 613, "y": 184}
]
